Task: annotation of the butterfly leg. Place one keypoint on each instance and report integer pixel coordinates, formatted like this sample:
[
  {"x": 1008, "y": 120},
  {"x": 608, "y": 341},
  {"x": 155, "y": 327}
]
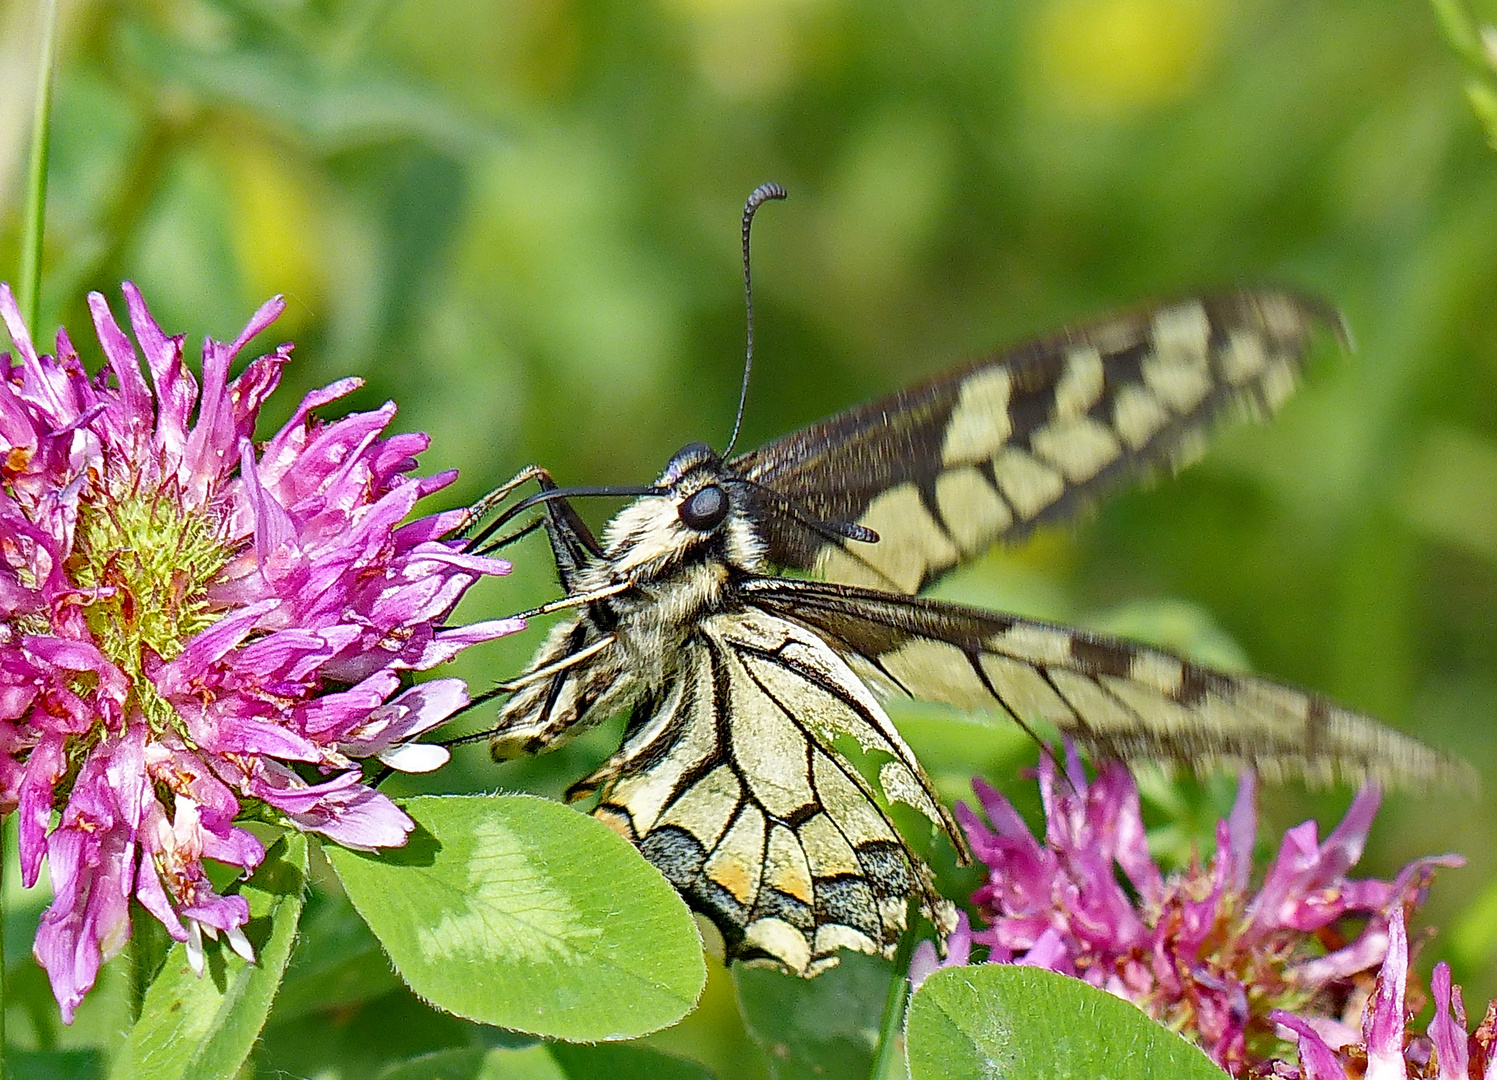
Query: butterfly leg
[
  {"x": 479, "y": 510},
  {"x": 572, "y": 600}
]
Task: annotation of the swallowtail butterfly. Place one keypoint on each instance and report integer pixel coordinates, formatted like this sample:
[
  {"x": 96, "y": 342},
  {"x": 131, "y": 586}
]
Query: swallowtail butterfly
[{"x": 741, "y": 685}]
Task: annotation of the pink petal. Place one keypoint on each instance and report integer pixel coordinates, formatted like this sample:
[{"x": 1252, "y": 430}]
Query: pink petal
[
  {"x": 419, "y": 709},
  {"x": 43, "y": 769},
  {"x": 1383, "y": 1017},
  {"x": 267, "y": 313},
  {"x": 1243, "y": 829},
  {"x": 1316, "y": 1058},
  {"x": 275, "y": 532},
  {"x": 1447, "y": 1033},
  {"x": 923, "y": 964},
  {"x": 176, "y": 390},
  {"x": 134, "y": 411},
  {"x": 342, "y": 809}
]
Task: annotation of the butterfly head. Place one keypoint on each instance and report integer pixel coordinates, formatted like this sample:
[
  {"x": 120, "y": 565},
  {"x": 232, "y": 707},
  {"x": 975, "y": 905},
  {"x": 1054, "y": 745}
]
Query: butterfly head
[{"x": 697, "y": 511}]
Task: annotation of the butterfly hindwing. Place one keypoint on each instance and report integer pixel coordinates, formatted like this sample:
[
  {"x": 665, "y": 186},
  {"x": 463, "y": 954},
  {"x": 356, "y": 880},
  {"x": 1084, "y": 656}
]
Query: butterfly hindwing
[
  {"x": 944, "y": 469},
  {"x": 731, "y": 783},
  {"x": 1118, "y": 698}
]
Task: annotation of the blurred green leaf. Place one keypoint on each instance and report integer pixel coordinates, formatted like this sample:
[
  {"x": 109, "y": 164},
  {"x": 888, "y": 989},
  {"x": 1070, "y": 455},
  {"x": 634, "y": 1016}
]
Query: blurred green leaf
[
  {"x": 1174, "y": 624},
  {"x": 534, "y": 1063},
  {"x": 337, "y": 961},
  {"x": 520, "y": 912},
  {"x": 468, "y": 1063},
  {"x": 192, "y": 1027},
  {"x": 357, "y": 1042},
  {"x": 1483, "y": 98},
  {"x": 1460, "y": 30},
  {"x": 624, "y": 1063},
  {"x": 336, "y": 109},
  {"x": 476, "y": 1063},
  {"x": 557, "y": 1062},
  {"x": 1450, "y": 490},
  {"x": 54, "y": 1065},
  {"x": 1004, "y": 1022},
  {"x": 28, "y": 284},
  {"x": 827, "y": 1026},
  {"x": 1473, "y": 935},
  {"x": 28, "y": 993}
]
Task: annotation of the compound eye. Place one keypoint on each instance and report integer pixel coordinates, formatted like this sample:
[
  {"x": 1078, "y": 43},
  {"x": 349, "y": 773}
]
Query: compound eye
[{"x": 705, "y": 510}]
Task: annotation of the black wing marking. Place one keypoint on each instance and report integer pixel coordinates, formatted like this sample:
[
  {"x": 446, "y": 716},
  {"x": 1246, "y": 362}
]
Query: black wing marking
[
  {"x": 944, "y": 469},
  {"x": 733, "y": 788},
  {"x": 1117, "y": 698}
]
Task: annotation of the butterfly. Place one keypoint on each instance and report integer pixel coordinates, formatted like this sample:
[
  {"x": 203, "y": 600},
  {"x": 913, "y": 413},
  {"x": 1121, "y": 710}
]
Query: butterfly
[{"x": 758, "y": 765}]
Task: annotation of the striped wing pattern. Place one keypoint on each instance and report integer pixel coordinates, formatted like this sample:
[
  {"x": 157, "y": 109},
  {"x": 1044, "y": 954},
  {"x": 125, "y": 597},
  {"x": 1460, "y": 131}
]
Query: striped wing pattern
[
  {"x": 1117, "y": 698},
  {"x": 944, "y": 469},
  {"x": 731, "y": 784}
]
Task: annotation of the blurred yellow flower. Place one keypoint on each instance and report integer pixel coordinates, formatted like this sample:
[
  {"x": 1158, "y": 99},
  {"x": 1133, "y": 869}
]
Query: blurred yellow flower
[
  {"x": 750, "y": 49},
  {"x": 274, "y": 226},
  {"x": 1118, "y": 56}
]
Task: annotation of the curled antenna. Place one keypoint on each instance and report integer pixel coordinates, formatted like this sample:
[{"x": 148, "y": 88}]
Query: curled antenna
[{"x": 762, "y": 194}]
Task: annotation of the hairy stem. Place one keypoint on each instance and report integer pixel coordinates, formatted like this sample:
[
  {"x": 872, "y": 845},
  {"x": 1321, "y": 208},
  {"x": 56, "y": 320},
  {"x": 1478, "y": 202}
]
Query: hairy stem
[{"x": 886, "y": 1063}]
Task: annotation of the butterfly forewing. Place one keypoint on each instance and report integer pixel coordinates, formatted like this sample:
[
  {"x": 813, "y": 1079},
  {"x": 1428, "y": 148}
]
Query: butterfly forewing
[
  {"x": 942, "y": 470},
  {"x": 733, "y": 785}
]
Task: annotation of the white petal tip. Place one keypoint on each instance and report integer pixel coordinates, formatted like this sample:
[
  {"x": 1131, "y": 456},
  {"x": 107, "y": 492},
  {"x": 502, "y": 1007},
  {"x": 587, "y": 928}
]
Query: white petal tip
[
  {"x": 415, "y": 757},
  {"x": 195, "y": 950},
  {"x": 240, "y": 944}
]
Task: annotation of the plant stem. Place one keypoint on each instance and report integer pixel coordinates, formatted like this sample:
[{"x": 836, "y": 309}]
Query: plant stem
[
  {"x": 29, "y": 285},
  {"x": 899, "y": 993}
]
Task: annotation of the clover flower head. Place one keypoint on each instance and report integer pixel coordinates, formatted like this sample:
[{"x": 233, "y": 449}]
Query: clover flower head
[
  {"x": 1387, "y": 1049},
  {"x": 1197, "y": 949},
  {"x": 193, "y": 628}
]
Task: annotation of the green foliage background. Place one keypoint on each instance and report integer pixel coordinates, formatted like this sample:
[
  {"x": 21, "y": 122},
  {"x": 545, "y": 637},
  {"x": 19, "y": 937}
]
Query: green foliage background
[{"x": 518, "y": 218}]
